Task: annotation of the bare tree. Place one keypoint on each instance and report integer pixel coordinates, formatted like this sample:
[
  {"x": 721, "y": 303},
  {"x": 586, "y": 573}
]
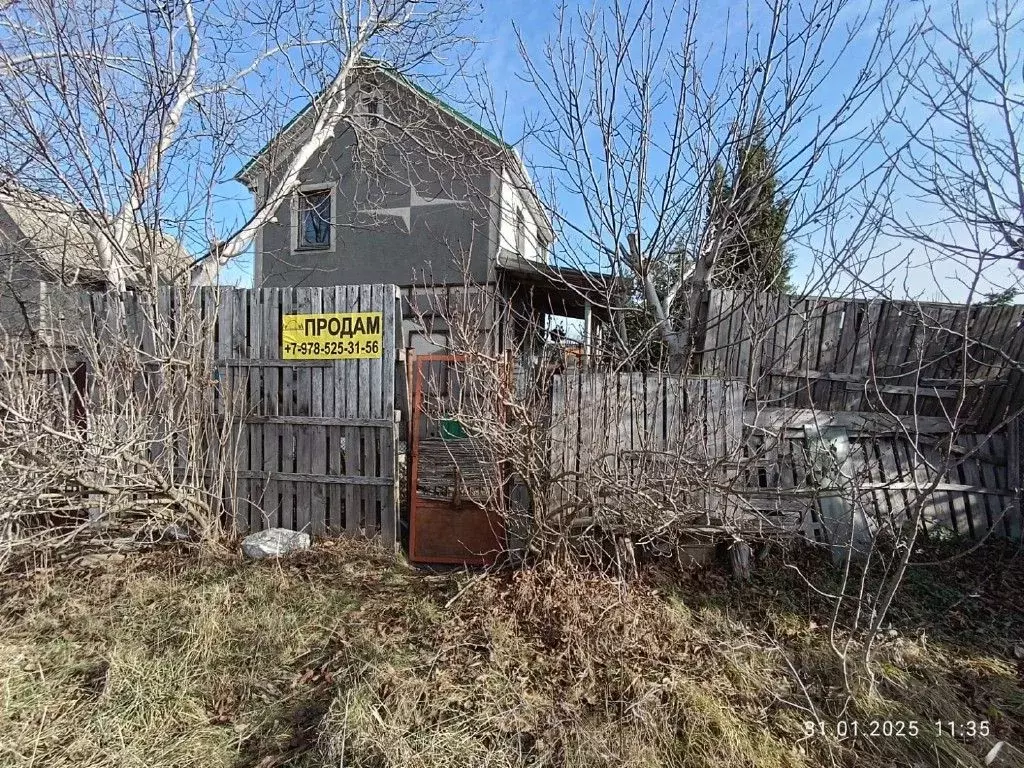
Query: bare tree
[
  {"x": 888, "y": 444},
  {"x": 641, "y": 106},
  {"x": 132, "y": 113},
  {"x": 960, "y": 152},
  {"x": 120, "y": 122},
  {"x": 958, "y": 158}
]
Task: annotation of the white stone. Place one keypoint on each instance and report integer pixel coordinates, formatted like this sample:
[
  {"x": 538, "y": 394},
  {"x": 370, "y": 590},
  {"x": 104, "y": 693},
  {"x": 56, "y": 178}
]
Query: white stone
[{"x": 274, "y": 542}]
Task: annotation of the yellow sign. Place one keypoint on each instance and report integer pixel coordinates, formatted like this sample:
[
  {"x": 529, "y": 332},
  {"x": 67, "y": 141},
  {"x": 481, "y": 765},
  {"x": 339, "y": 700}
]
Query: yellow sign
[{"x": 336, "y": 336}]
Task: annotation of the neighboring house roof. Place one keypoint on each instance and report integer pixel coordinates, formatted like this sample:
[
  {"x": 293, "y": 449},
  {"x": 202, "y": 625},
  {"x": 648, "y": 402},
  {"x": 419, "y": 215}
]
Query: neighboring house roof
[
  {"x": 57, "y": 238},
  {"x": 294, "y": 127}
]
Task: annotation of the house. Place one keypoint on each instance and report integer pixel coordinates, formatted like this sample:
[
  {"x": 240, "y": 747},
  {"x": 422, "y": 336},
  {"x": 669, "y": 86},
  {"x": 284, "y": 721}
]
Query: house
[
  {"x": 47, "y": 243},
  {"x": 410, "y": 191}
]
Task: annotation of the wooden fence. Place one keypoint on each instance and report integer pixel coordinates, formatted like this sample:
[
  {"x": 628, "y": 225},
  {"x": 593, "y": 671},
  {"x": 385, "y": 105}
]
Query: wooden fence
[
  {"x": 639, "y": 438},
  {"x": 313, "y": 442},
  {"x": 895, "y": 378},
  {"x": 886, "y": 476},
  {"x": 852, "y": 355},
  {"x": 317, "y": 446}
]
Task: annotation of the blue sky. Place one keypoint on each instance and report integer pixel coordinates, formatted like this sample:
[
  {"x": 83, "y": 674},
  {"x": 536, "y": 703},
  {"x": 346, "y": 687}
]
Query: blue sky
[{"x": 498, "y": 59}]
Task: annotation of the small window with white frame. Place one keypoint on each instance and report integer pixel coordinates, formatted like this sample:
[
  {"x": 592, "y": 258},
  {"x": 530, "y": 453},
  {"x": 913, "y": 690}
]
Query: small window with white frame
[{"x": 314, "y": 208}]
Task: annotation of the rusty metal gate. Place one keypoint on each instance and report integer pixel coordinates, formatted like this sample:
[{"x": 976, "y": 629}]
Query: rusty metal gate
[{"x": 455, "y": 489}]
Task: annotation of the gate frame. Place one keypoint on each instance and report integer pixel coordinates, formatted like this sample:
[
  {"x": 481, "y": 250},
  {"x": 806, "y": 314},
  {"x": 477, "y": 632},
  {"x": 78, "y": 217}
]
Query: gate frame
[{"x": 417, "y": 505}]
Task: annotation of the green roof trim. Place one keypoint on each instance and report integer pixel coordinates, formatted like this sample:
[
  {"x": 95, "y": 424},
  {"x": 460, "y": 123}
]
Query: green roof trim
[
  {"x": 447, "y": 108},
  {"x": 284, "y": 129},
  {"x": 398, "y": 77}
]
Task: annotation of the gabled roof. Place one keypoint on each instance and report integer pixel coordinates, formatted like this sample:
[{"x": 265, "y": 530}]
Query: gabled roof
[
  {"x": 293, "y": 128},
  {"x": 57, "y": 238},
  {"x": 298, "y": 122}
]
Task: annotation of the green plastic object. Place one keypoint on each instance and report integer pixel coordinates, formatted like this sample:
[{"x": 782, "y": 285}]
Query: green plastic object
[{"x": 451, "y": 429}]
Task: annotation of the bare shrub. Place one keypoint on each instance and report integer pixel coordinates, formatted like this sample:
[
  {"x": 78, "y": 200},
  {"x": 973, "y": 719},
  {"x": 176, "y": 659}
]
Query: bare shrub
[{"x": 116, "y": 430}]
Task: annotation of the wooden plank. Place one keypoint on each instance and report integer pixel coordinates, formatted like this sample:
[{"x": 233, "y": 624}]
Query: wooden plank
[
  {"x": 269, "y": 363},
  {"x": 787, "y": 351},
  {"x": 320, "y": 421},
  {"x": 984, "y": 320},
  {"x": 976, "y": 507},
  {"x": 771, "y": 360},
  {"x": 287, "y": 432},
  {"x": 886, "y": 353},
  {"x": 309, "y": 477},
  {"x": 986, "y": 365},
  {"x": 959, "y": 512},
  {"x": 825, "y": 358},
  {"x": 797, "y": 349},
  {"x": 372, "y": 297},
  {"x": 731, "y": 327},
  {"x": 906, "y": 399},
  {"x": 891, "y": 502},
  {"x": 865, "y": 355},
  {"x": 813, "y": 347},
  {"x": 316, "y": 436},
  {"x": 331, "y": 435},
  {"x": 303, "y": 435},
  {"x": 905, "y": 390},
  {"x": 756, "y": 331},
  {"x": 864, "y": 349},
  {"x": 774, "y": 419},
  {"x": 1001, "y": 474},
  {"x": 942, "y": 496},
  {"x": 741, "y": 335},
  {"x": 223, "y": 307},
  {"x": 856, "y": 378},
  {"x": 353, "y": 447},
  {"x": 734, "y": 392},
  {"x": 1014, "y": 435},
  {"x": 254, "y": 433},
  {"x": 273, "y": 299},
  {"x": 996, "y": 510},
  {"x": 161, "y": 332},
  {"x": 368, "y": 401},
  {"x": 850, "y": 312},
  {"x": 236, "y": 395},
  {"x": 658, "y": 385},
  {"x": 913, "y": 472},
  {"x": 266, "y": 404},
  {"x": 338, "y": 436},
  {"x": 1005, "y": 336},
  {"x": 710, "y": 358},
  {"x": 556, "y": 449},
  {"x": 593, "y": 410},
  {"x": 939, "y": 345},
  {"x": 388, "y": 456}
]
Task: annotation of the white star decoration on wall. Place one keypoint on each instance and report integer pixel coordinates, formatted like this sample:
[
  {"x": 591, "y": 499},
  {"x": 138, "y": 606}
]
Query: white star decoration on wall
[{"x": 404, "y": 212}]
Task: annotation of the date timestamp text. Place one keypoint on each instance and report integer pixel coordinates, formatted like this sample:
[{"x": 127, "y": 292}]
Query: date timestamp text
[{"x": 875, "y": 729}]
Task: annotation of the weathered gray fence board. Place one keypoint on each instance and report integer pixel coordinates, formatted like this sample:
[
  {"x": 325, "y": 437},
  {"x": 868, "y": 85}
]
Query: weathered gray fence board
[
  {"x": 793, "y": 352},
  {"x": 313, "y": 442},
  {"x": 612, "y": 432}
]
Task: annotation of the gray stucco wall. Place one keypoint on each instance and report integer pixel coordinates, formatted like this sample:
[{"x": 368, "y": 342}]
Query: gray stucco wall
[
  {"x": 414, "y": 204},
  {"x": 20, "y": 278},
  {"x": 19, "y": 300}
]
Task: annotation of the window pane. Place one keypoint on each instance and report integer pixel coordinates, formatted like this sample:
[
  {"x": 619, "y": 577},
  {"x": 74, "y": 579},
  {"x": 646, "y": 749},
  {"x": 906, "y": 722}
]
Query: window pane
[{"x": 315, "y": 219}]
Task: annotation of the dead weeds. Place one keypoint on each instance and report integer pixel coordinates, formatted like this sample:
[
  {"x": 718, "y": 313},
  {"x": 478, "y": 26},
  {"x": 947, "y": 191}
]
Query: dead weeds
[{"x": 343, "y": 657}]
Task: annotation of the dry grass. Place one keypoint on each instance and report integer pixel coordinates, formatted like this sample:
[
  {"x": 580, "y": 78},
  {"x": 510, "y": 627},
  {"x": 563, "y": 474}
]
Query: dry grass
[{"x": 342, "y": 657}]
